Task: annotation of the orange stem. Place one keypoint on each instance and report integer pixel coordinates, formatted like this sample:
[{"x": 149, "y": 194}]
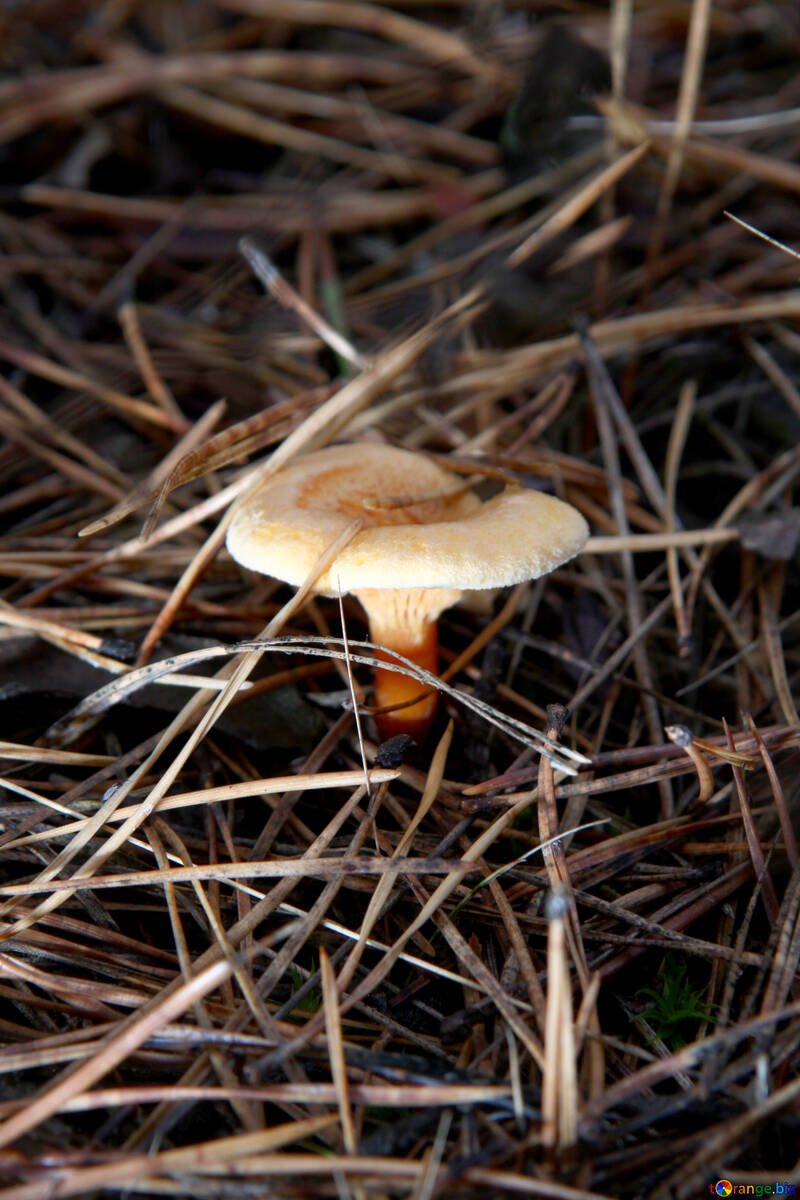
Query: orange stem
[{"x": 393, "y": 688}]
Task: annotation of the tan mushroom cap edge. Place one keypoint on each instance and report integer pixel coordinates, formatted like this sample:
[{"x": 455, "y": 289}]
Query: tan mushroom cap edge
[{"x": 424, "y": 528}]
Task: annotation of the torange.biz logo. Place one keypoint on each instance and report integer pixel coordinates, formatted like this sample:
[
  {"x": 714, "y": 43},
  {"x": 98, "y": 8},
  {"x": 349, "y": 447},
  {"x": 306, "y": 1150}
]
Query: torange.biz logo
[{"x": 724, "y": 1187}]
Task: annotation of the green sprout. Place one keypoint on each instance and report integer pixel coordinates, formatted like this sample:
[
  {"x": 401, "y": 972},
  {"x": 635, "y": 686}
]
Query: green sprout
[
  {"x": 674, "y": 1005},
  {"x": 312, "y": 1000}
]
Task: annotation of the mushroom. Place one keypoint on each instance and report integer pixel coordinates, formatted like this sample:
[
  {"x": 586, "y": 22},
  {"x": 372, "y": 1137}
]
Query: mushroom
[{"x": 425, "y": 540}]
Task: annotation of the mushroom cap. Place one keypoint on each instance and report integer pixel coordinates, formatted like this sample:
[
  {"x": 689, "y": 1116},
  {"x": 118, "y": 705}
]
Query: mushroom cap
[{"x": 422, "y": 527}]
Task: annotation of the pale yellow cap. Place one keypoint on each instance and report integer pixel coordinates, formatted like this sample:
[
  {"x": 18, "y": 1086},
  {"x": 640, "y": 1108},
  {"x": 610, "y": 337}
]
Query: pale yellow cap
[{"x": 423, "y": 528}]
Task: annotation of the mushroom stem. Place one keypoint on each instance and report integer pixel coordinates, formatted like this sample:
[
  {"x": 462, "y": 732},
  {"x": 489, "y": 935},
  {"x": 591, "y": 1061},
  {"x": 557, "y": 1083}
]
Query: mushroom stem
[
  {"x": 404, "y": 620},
  {"x": 395, "y": 688}
]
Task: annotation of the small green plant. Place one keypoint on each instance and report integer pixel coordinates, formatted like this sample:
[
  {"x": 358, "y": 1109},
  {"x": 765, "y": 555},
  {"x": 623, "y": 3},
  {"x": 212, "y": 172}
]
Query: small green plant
[
  {"x": 675, "y": 1008},
  {"x": 309, "y": 1003}
]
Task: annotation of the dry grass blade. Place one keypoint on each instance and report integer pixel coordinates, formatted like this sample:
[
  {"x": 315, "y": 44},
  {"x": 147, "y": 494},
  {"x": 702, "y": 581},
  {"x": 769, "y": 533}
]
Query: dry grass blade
[
  {"x": 677, "y": 440},
  {"x": 128, "y": 407},
  {"x": 186, "y": 463},
  {"x": 760, "y": 233},
  {"x": 286, "y": 295},
  {"x": 133, "y": 1032},
  {"x": 559, "y": 1088},
  {"x": 221, "y": 1155},
  {"x": 382, "y": 892},
  {"x": 74, "y": 723},
  {"x": 646, "y": 543},
  {"x": 753, "y": 843},
  {"x": 159, "y": 392},
  {"x": 160, "y": 484},
  {"x": 769, "y": 598},
  {"x": 270, "y": 870},
  {"x": 606, "y": 402},
  {"x": 424, "y": 39},
  {"x": 687, "y": 102},
  {"x": 243, "y": 122},
  {"x": 577, "y": 206},
  {"x": 787, "y": 829},
  {"x": 333, "y": 1029},
  {"x": 41, "y": 754}
]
